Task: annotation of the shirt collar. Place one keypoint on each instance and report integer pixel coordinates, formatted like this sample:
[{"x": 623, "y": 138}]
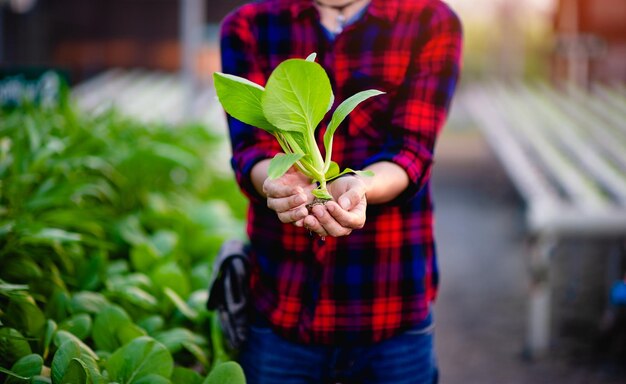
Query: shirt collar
[{"x": 382, "y": 9}]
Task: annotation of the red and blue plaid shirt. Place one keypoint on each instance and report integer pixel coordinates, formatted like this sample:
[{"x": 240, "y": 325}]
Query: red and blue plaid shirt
[{"x": 381, "y": 279}]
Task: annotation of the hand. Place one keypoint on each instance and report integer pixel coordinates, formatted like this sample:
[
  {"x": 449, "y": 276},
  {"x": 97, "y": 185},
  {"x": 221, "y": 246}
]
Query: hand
[
  {"x": 288, "y": 196},
  {"x": 345, "y": 213}
]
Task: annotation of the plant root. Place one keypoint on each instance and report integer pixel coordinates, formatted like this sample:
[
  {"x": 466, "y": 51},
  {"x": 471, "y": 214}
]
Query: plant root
[{"x": 316, "y": 201}]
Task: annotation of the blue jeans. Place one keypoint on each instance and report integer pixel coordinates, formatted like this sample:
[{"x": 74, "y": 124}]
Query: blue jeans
[{"x": 408, "y": 358}]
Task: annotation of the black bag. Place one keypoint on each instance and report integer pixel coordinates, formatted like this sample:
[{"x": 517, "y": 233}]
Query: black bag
[{"x": 229, "y": 291}]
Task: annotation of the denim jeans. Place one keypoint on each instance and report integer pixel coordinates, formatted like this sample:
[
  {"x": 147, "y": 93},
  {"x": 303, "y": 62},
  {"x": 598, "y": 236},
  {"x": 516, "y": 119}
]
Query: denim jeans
[{"x": 405, "y": 359}]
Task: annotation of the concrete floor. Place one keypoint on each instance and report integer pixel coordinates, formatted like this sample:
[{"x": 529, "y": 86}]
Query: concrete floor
[{"x": 481, "y": 309}]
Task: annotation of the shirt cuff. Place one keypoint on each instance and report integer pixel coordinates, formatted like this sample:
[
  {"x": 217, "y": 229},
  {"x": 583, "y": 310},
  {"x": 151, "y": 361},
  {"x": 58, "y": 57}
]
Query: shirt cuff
[
  {"x": 243, "y": 163},
  {"x": 417, "y": 165}
]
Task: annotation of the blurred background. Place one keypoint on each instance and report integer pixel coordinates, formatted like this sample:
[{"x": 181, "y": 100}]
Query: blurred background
[{"x": 146, "y": 66}]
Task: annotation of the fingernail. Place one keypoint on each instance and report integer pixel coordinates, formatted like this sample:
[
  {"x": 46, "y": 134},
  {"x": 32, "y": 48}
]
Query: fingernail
[
  {"x": 319, "y": 212},
  {"x": 344, "y": 202}
]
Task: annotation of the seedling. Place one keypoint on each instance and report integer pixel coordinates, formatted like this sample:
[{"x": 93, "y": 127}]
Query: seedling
[{"x": 295, "y": 99}]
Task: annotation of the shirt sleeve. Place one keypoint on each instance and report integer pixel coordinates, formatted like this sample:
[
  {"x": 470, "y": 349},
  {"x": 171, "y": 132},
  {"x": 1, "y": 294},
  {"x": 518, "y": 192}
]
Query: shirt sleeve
[
  {"x": 249, "y": 144},
  {"x": 422, "y": 101}
]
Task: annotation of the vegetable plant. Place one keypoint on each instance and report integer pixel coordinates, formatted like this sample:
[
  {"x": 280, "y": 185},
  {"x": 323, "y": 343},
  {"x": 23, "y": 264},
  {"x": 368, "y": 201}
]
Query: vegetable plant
[
  {"x": 294, "y": 101},
  {"x": 108, "y": 228}
]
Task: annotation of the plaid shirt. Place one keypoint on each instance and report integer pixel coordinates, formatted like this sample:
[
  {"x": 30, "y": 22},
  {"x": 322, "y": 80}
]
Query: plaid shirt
[{"x": 381, "y": 279}]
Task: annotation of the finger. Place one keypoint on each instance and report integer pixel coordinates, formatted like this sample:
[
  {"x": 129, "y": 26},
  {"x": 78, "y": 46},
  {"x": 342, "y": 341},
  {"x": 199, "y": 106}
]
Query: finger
[
  {"x": 354, "y": 219},
  {"x": 350, "y": 199},
  {"x": 275, "y": 189},
  {"x": 332, "y": 227},
  {"x": 293, "y": 215},
  {"x": 284, "y": 204},
  {"x": 312, "y": 224}
]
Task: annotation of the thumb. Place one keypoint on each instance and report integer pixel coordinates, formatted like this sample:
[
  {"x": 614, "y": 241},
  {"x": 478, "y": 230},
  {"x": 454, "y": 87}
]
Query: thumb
[{"x": 349, "y": 200}]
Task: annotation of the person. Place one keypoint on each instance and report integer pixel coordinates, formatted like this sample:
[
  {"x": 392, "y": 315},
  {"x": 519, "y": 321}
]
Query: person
[{"x": 343, "y": 292}]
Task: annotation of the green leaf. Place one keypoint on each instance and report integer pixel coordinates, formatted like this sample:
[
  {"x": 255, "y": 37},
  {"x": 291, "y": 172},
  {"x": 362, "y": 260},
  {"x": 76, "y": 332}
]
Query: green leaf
[
  {"x": 117, "y": 267},
  {"x": 23, "y": 269},
  {"x": 90, "y": 272},
  {"x": 201, "y": 275},
  {"x": 333, "y": 171},
  {"x": 62, "y": 337},
  {"x": 171, "y": 275},
  {"x": 164, "y": 241},
  {"x": 13, "y": 346},
  {"x": 241, "y": 98},
  {"x": 226, "y": 373},
  {"x": 367, "y": 173},
  {"x": 297, "y": 96},
  {"x": 24, "y": 313},
  {"x": 105, "y": 327},
  {"x": 59, "y": 304},
  {"x": 144, "y": 256},
  {"x": 76, "y": 373},
  {"x": 41, "y": 380},
  {"x": 281, "y": 164},
  {"x": 51, "y": 329},
  {"x": 124, "y": 281},
  {"x": 321, "y": 194},
  {"x": 139, "y": 297},
  {"x": 152, "y": 324},
  {"x": 340, "y": 114},
  {"x": 141, "y": 357},
  {"x": 88, "y": 357},
  {"x": 180, "y": 304},
  {"x": 130, "y": 229},
  {"x": 13, "y": 377},
  {"x": 186, "y": 375},
  {"x": 349, "y": 170},
  {"x": 128, "y": 332},
  {"x": 61, "y": 360},
  {"x": 174, "y": 154},
  {"x": 26, "y": 367},
  {"x": 113, "y": 328},
  {"x": 79, "y": 325},
  {"x": 173, "y": 339},
  {"x": 154, "y": 379},
  {"x": 89, "y": 302},
  {"x": 8, "y": 288},
  {"x": 200, "y": 354},
  {"x": 51, "y": 235}
]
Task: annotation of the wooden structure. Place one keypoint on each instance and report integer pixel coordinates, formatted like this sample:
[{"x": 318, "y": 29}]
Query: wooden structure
[{"x": 566, "y": 154}]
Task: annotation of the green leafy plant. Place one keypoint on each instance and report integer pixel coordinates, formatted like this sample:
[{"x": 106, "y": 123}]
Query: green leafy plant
[
  {"x": 108, "y": 228},
  {"x": 294, "y": 101}
]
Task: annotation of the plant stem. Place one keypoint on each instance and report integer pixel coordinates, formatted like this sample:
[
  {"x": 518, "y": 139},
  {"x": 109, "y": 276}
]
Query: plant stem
[{"x": 318, "y": 160}]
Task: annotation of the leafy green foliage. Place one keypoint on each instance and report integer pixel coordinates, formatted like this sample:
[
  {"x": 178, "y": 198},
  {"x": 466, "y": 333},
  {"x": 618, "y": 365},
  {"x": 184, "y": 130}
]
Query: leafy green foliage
[
  {"x": 13, "y": 346},
  {"x": 294, "y": 101},
  {"x": 66, "y": 353},
  {"x": 108, "y": 229},
  {"x": 76, "y": 373},
  {"x": 139, "y": 359},
  {"x": 27, "y": 366},
  {"x": 226, "y": 373}
]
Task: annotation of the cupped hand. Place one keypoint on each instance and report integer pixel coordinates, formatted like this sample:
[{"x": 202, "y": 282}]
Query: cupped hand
[
  {"x": 341, "y": 216},
  {"x": 288, "y": 196}
]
